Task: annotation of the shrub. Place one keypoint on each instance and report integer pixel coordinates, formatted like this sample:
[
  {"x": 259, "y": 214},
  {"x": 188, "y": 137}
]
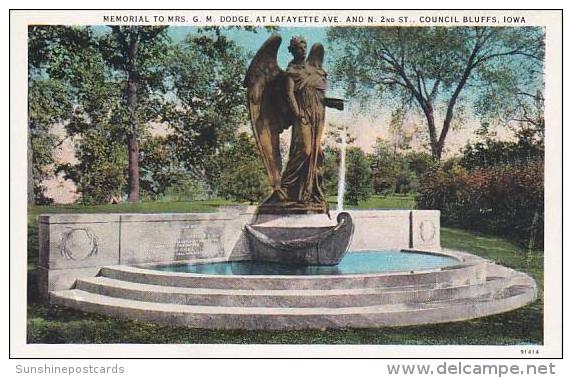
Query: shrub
[
  {"x": 491, "y": 152},
  {"x": 395, "y": 172},
  {"x": 504, "y": 199},
  {"x": 240, "y": 173},
  {"x": 187, "y": 189}
]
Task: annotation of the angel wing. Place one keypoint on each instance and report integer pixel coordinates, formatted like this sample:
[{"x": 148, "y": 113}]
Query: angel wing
[
  {"x": 265, "y": 83},
  {"x": 316, "y": 55},
  {"x": 316, "y": 59}
]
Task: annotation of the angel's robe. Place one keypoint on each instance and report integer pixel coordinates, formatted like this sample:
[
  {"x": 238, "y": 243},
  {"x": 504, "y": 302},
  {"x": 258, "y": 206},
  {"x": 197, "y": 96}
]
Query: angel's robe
[{"x": 302, "y": 178}]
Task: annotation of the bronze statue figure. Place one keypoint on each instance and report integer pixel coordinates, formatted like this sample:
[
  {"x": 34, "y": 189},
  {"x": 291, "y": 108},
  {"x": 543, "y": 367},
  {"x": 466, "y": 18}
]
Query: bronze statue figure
[{"x": 279, "y": 99}]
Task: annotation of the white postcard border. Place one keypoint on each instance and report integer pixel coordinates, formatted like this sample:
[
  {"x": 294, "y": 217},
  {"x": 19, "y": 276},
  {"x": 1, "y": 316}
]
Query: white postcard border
[{"x": 552, "y": 347}]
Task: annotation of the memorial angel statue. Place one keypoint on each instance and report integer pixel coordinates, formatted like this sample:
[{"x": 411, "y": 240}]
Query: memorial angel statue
[{"x": 296, "y": 98}]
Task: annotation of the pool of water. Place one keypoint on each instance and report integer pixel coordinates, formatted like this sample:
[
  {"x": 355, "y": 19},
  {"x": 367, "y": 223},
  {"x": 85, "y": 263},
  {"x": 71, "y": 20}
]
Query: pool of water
[{"x": 352, "y": 263}]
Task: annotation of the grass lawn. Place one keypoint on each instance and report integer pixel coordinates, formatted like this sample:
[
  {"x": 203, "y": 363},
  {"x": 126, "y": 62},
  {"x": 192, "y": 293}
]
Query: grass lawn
[{"x": 53, "y": 324}]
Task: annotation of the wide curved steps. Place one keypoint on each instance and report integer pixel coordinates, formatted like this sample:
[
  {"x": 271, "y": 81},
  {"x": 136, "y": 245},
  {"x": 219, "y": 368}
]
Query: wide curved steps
[
  {"x": 463, "y": 292},
  {"x": 454, "y": 275},
  {"x": 284, "y": 298}
]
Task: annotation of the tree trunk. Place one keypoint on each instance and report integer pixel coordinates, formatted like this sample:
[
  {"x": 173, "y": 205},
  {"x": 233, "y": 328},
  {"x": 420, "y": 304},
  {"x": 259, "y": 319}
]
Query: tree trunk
[
  {"x": 31, "y": 194},
  {"x": 441, "y": 143},
  {"x": 451, "y": 104},
  {"x": 133, "y": 170},
  {"x": 430, "y": 115},
  {"x": 132, "y": 142}
]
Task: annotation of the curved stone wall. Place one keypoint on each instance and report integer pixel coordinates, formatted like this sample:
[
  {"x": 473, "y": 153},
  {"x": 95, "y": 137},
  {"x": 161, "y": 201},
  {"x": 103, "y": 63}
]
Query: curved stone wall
[{"x": 78, "y": 245}]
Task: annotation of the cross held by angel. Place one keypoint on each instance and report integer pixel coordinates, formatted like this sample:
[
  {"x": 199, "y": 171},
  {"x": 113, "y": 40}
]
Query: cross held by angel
[{"x": 296, "y": 98}]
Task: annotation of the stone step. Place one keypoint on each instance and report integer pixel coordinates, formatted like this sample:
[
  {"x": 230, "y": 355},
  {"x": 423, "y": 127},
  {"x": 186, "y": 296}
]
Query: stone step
[
  {"x": 286, "y": 298},
  {"x": 219, "y": 317},
  {"x": 458, "y": 275}
]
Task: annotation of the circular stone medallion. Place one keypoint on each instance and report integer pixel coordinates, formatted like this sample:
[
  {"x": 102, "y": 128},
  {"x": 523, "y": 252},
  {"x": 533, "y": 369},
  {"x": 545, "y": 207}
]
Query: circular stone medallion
[
  {"x": 78, "y": 244},
  {"x": 427, "y": 230}
]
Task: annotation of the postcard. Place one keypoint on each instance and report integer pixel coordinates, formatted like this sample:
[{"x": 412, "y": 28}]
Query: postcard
[{"x": 286, "y": 183}]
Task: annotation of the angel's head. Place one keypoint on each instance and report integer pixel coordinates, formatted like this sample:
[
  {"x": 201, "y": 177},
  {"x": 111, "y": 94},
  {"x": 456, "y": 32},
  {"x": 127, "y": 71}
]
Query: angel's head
[{"x": 298, "y": 47}]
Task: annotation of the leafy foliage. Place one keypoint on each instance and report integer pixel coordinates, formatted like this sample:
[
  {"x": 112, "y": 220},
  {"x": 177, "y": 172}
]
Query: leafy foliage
[
  {"x": 161, "y": 171},
  {"x": 396, "y": 172},
  {"x": 49, "y": 99},
  {"x": 48, "y": 103},
  {"x": 147, "y": 67},
  {"x": 241, "y": 174},
  {"x": 504, "y": 199},
  {"x": 100, "y": 174},
  {"x": 487, "y": 152},
  {"x": 208, "y": 103},
  {"x": 387, "y": 167},
  {"x": 331, "y": 169},
  {"x": 358, "y": 176},
  {"x": 94, "y": 68},
  {"x": 119, "y": 81}
]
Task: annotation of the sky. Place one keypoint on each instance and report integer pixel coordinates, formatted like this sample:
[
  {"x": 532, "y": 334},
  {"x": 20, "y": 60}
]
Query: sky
[{"x": 252, "y": 41}]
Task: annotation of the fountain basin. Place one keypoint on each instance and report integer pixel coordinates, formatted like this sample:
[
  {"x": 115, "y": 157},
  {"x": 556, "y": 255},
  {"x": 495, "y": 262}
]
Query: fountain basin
[
  {"x": 471, "y": 288},
  {"x": 363, "y": 262},
  {"x": 121, "y": 265},
  {"x": 74, "y": 246}
]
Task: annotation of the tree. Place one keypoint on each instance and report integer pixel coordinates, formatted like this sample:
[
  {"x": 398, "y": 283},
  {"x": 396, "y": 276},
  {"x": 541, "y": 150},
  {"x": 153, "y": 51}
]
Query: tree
[
  {"x": 491, "y": 152},
  {"x": 431, "y": 67},
  {"x": 208, "y": 105},
  {"x": 518, "y": 101},
  {"x": 100, "y": 154},
  {"x": 331, "y": 169},
  {"x": 95, "y": 111},
  {"x": 401, "y": 139},
  {"x": 418, "y": 162},
  {"x": 390, "y": 170},
  {"x": 137, "y": 53},
  {"x": 48, "y": 104},
  {"x": 127, "y": 94},
  {"x": 399, "y": 172},
  {"x": 114, "y": 82},
  {"x": 161, "y": 171},
  {"x": 358, "y": 176},
  {"x": 49, "y": 100},
  {"x": 384, "y": 168}
]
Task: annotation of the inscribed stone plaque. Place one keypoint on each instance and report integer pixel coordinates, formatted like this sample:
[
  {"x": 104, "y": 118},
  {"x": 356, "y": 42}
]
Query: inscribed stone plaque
[
  {"x": 380, "y": 229},
  {"x": 171, "y": 240}
]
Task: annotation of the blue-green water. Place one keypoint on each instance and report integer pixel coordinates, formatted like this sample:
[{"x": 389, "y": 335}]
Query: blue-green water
[{"x": 352, "y": 263}]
